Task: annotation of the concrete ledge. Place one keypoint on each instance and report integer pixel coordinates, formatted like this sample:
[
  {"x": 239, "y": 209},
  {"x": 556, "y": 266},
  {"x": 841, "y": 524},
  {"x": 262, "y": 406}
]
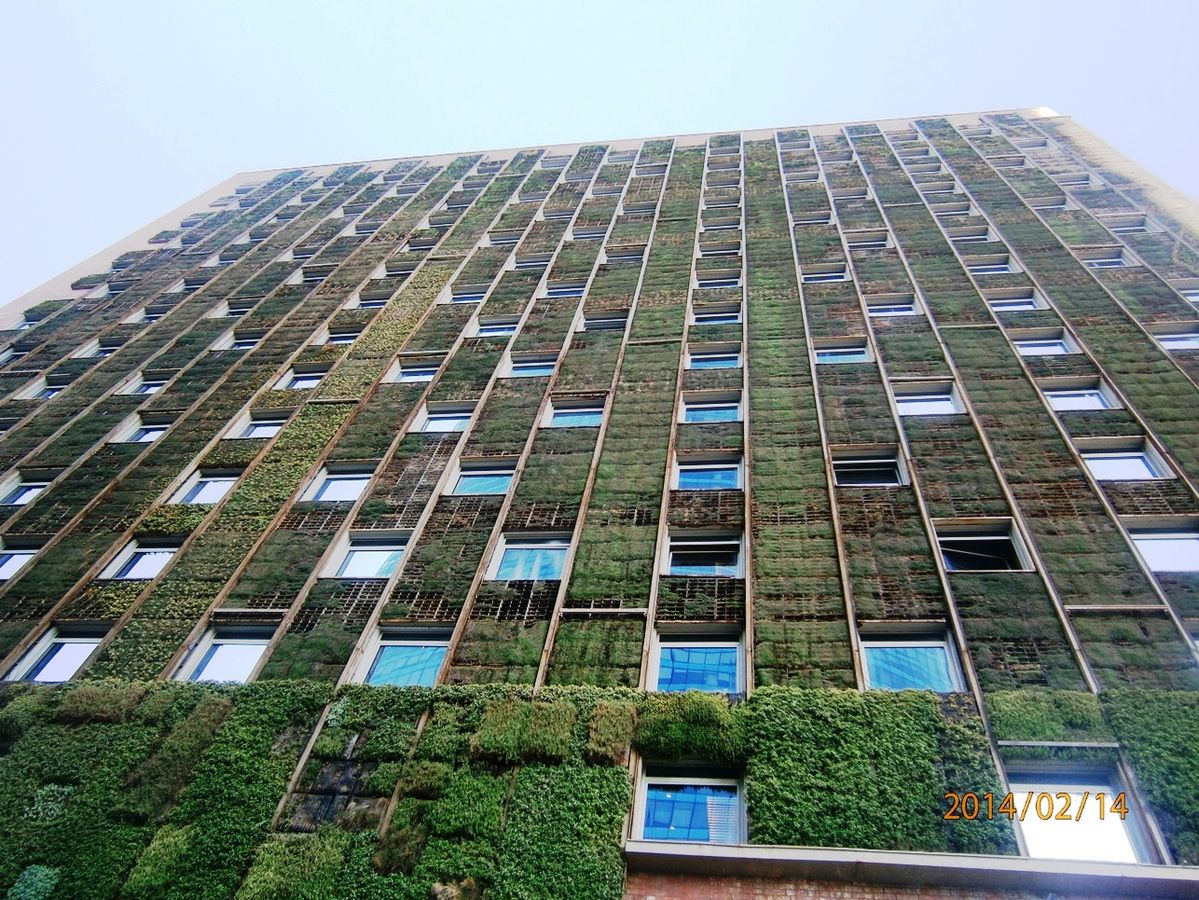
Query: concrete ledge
[{"x": 899, "y": 867}]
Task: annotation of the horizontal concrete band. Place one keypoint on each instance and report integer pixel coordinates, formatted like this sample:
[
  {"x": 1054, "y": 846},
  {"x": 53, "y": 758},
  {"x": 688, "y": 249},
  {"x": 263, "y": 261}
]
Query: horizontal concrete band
[{"x": 898, "y": 867}]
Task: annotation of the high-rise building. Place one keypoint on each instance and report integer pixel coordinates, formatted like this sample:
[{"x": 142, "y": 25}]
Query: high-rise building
[{"x": 792, "y": 512}]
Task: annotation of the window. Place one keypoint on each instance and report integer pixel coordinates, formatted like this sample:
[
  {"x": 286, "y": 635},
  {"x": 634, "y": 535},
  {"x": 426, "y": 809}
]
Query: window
[
  {"x": 867, "y": 471},
  {"x": 606, "y": 322},
  {"x": 1168, "y": 550},
  {"x": 532, "y": 366},
  {"x": 467, "y": 296},
  {"x": 205, "y": 487},
  {"x": 339, "y": 485},
  {"x": 820, "y": 274},
  {"x": 262, "y": 426},
  {"x": 933, "y": 400},
  {"x": 1053, "y": 346},
  {"x": 718, "y": 358},
  {"x": 714, "y": 410},
  {"x": 57, "y": 656},
  {"x": 346, "y": 336},
  {"x": 565, "y": 290},
  {"x": 403, "y": 659},
  {"x": 415, "y": 371},
  {"x": 708, "y": 475},
  {"x": 245, "y": 342},
  {"x": 1106, "y": 259},
  {"x": 530, "y": 559},
  {"x": 22, "y": 491},
  {"x": 719, "y": 282},
  {"x": 445, "y": 419},
  {"x": 1133, "y": 464},
  {"x": 148, "y": 385},
  {"x": 371, "y": 557},
  {"x": 702, "y": 556},
  {"x": 990, "y": 267},
  {"x": 917, "y": 665},
  {"x": 706, "y": 810},
  {"x": 227, "y": 654},
  {"x": 139, "y": 561},
  {"x": 492, "y": 480},
  {"x": 301, "y": 381},
  {"x": 1188, "y": 340},
  {"x": 851, "y": 353},
  {"x": 878, "y": 308},
  {"x": 696, "y": 664},
  {"x": 870, "y": 240},
  {"x": 980, "y": 548},
  {"x": 576, "y": 416},
  {"x": 13, "y": 560},
  {"x": 1014, "y": 301},
  {"x": 143, "y": 431},
  {"x": 1191, "y": 295},
  {"x": 716, "y": 314},
  {"x": 495, "y": 328},
  {"x": 1081, "y": 835},
  {"x": 1095, "y": 396}
]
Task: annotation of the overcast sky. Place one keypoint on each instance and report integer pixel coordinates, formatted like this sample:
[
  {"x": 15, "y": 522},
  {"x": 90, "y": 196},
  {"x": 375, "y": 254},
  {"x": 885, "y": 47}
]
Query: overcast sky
[{"x": 116, "y": 112}]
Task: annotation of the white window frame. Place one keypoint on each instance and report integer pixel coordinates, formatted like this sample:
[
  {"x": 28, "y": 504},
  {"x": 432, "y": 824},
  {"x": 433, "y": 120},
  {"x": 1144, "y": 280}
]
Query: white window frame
[
  {"x": 710, "y": 401},
  {"x": 883, "y": 306},
  {"x": 248, "y": 422},
  {"x": 694, "y": 639},
  {"x": 701, "y": 462},
  {"x": 125, "y": 559},
  {"x": 16, "y": 482},
  {"x": 1157, "y": 467},
  {"x": 526, "y": 541},
  {"x": 714, "y": 352},
  {"x": 1186, "y": 532},
  {"x": 493, "y": 467},
  {"x": 826, "y": 354},
  {"x": 944, "y": 643},
  {"x": 390, "y": 541},
  {"x": 25, "y": 554},
  {"x": 326, "y": 473},
  {"x": 644, "y": 782},
  {"x": 1095, "y": 386},
  {"x": 866, "y": 458},
  {"x": 687, "y": 539},
  {"x": 432, "y": 413},
  {"x": 409, "y": 637},
  {"x": 193, "y": 480},
  {"x": 998, "y": 528},
  {"x": 1055, "y": 345},
  {"x": 518, "y": 362},
  {"x": 35, "y": 654},
  {"x": 213, "y": 635},
  {"x": 706, "y": 314},
  {"x": 912, "y": 392},
  {"x": 593, "y": 407}
]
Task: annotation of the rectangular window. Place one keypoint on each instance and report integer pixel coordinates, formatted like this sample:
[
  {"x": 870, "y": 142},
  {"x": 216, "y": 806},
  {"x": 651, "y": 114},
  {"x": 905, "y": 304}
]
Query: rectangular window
[
  {"x": 982, "y": 548},
  {"x": 147, "y": 434},
  {"x": 695, "y": 664},
  {"x": 705, "y": 557},
  {"x": 371, "y": 558},
  {"x": 532, "y": 367},
  {"x": 23, "y": 492},
  {"x": 821, "y": 274},
  {"x": 565, "y": 290},
  {"x": 990, "y": 268},
  {"x": 1168, "y": 550},
  {"x": 1043, "y": 347},
  {"x": 711, "y": 410},
  {"x": 576, "y": 416},
  {"x": 340, "y": 486},
  {"x": 716, "y": 315},
  {"x": 1082, "y": 835},
  {"x": 303, "y": 381},
  {"x": 871, "y": 240},
  {"x": 867, "y": 471},
  {"x": 342, "y": 337},
  {"x": 13, "y": 560},
  {"x": 1065, "y": 399},
  {"x": 407, "y": 662},
  {"x": 263, "y": 427},
  {"x": 204, "y": 487},
  {"x": 495, "y": 329},
  {"x": 56, "y": 657},
  {"x": 1107, "y": 261},
  {"x": 1124, "y": 465},
  {"x": 415, "y": 373},
  {"x": 484, "y": 481},
  {"x": 449, "y": 420},
  {"x": 227, "y": 655},
  {"x": 719, "y": 282},
  {"x": 857, "y": 353},
  {"x": 679, "y": 809},
  {"x": 530, "y": 559},
  {"x": 1014, "y": 301},
  {"x": 1181, "y": 341},
  {"x": 933, "y": 401},
  {"x": 606, "y": 322},
  {"x": 713, "y": 359},
  {"x": 708, "y": 476},
  {"x": 139, "y": 561},
  {"x": 917, "y": 665},
  {"x": 884, "y": 308}
]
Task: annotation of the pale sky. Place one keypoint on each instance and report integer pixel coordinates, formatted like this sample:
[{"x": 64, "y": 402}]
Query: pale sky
[{"x": 116, "y": 112}]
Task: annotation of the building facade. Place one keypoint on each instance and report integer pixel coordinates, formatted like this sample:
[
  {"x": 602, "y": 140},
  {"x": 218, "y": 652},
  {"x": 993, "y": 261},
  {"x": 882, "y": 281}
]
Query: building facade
[{"x": 793, "y": 512}]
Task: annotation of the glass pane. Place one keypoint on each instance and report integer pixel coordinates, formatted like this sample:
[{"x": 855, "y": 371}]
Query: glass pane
[
  {"x": 979, "y": 553},
  {"x": 1085, "y": 399},
  {"x": 915, "y": 668},
  {"x": 851, "y": 355},
  {"x": 22, "y": 494},
  {"x": 404, "y": 664},
  {"x": 532, "y": 563},
  {"x": 145, "y": 563},
  {"x": 697, "y": 668},
  {"x": 342, "y": 487},
  {"x": 1042, "y": 348},
  {"x": 715, "y": 560},
  {"x": 1176, "y": 553},
  {"x": 375, "y": 563},
  {"x": 446, "y": 423},
  {"x": 302, "y": 382},
  {"x": 529, "y": 370},
  {"x": 926, "y": 405},
  {"x": 61, "y": 660},
  {"x": 417, "y": 374},
  {"x": 147, "y": 435},
  {"x": 728, "y": 413},
  {"x": 866, "y": 473},
  {"x": 490, "y": 483},
  {"x": 262, "y": 429},
  {"x": 576, "y": 418},
  {"x": 1088, "y": 837},
  {"x": 11, "y": 563},
  {"x": 714, "y": 478},
  {"x": 229, "y": 662},
  {"x": 1119, "y": 466},
  {"x": 714, "y": 361},
  {"x": 208, "y": 490},
  {"x": 686, "y": 812}
]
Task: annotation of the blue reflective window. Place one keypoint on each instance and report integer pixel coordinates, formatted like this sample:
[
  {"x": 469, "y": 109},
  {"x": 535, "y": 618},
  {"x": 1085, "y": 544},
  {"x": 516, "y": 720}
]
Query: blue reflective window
[
  {"x": 697, "y": 667},
  {"x": 532, "y": 370},
  {"x": 483, "y": 483},
  {"x": 691, "y": 812},
  {"x": 715, "y": 360},
  {"x": 901, "y": 667},
  {"x": 712, "y": 412},
  {"x": 705, "y": 558},
  {"x": 709, "y": 478},
  {"x": 576, "y": 418},
  {"x": 530, "y": 561},
  {"x": 407, "y": 664},
  {"x": 843, "y": 355}
]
